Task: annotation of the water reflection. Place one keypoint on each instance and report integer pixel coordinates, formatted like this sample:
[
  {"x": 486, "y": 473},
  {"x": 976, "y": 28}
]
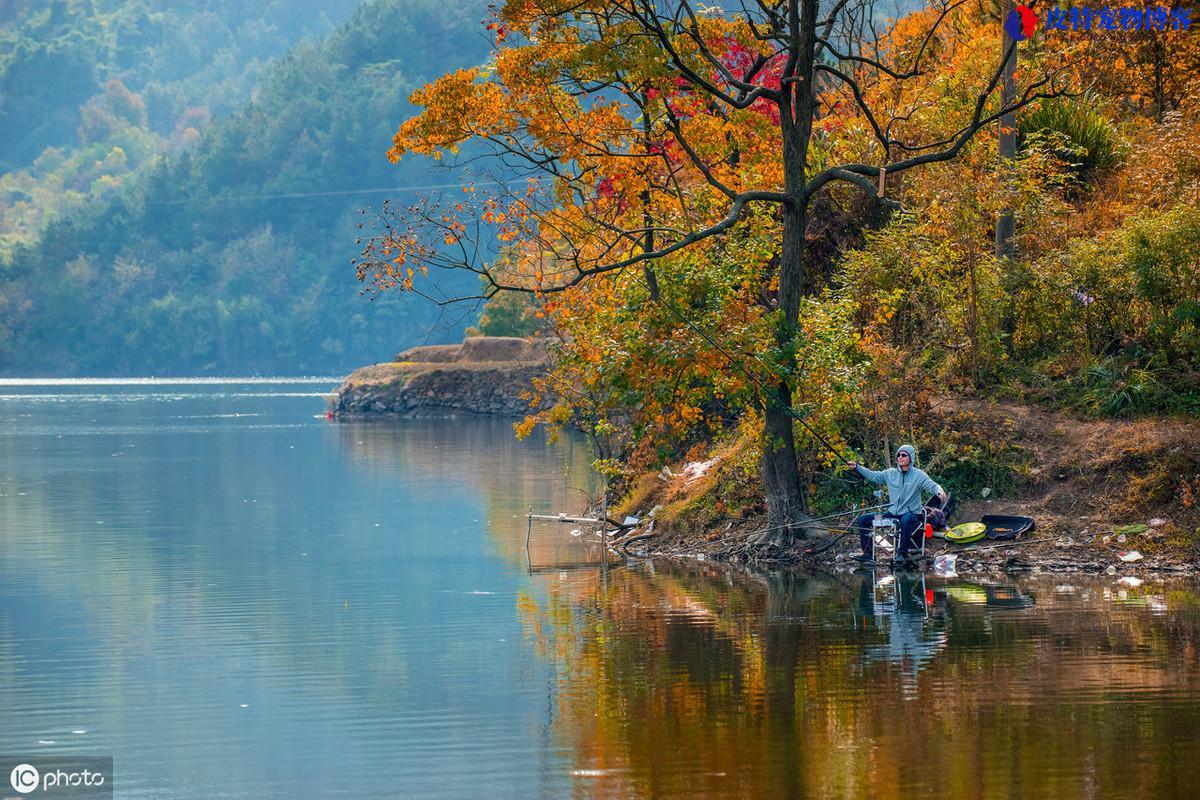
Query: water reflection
[
  {"x": 509, "y": 476},
  {"x": 235, "y": 598},
  {"x": 690, "y": 680},
  {"x": 238, "y": 599},
  {"x": 903, "y": 605}
]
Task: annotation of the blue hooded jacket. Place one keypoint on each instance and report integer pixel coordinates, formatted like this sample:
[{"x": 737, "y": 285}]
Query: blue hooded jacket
[{"x": 904, "y": 488}]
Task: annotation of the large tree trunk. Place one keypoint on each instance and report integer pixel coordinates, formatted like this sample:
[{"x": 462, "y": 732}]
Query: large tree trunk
[
  {"x": 781, "y": 478},
  {"x": 785, "y": 500}
]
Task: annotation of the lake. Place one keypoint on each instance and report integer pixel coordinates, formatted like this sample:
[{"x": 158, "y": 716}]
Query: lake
[{"x": 234, "y": 597}]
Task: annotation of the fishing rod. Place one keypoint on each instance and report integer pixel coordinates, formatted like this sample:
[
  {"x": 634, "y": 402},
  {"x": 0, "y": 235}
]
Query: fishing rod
[
  {"x": 851, "y": 511},
  {"x": 817, "y": 519},
  {"x": 1006, "y": 544},
  {"x": 836, "y": 533}
]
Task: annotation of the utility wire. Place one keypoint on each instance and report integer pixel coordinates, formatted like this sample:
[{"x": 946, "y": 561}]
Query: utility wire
[{"x": 334, "y": 193}]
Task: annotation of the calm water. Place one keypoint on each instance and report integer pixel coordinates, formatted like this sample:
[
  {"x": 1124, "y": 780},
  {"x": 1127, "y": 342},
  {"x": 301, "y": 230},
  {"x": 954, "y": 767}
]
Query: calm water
[{"x": 236, "y": 598}]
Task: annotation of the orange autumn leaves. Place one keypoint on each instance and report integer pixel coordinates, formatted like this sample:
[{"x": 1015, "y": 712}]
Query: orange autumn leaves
[{"x": 631, "y": 156}]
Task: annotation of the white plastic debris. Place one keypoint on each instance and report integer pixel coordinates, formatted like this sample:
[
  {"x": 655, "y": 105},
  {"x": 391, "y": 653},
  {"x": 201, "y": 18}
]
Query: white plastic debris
[
  {"x": 630, "y": 521},
  {"x": 944, "y": 566},
  {"x": 698, "y": 469},
  {"x": 1130, "y": 581},
  {"x": 1130, "y": 556},
  {"x": 1157, "y": 522},
  {"x": 576, "y": 532},
  {"x": 1111, "y": 570},
  {"x": 1121, "y": 538},
  {"x": 985, "y": 491}
]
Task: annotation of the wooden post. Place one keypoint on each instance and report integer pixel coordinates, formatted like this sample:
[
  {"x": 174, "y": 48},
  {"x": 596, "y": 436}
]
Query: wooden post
[
  {"x": 1006, "y": 225},
  {"x": 604, "y": 529},
  {"x": 528, "y": 527}
]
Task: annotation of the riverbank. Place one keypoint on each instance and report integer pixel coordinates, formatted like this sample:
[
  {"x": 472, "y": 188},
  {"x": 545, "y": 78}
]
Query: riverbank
[
  {"x": 1096, "y": 489},
  {"x": 483, "y": 375}
]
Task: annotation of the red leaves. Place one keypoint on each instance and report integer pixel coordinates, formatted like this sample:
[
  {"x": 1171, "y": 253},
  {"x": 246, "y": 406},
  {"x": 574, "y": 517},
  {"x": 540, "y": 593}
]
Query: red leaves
[{"x": 608, "y": 190}]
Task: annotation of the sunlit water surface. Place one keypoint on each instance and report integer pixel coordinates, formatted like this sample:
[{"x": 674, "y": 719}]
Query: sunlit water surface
[{"x": 236, "y": 598}]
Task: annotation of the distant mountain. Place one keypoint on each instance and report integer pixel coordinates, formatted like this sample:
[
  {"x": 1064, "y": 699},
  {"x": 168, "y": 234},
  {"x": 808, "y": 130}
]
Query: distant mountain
[
  {"x": 57, "y": 55},
  {"x": 232, "y": 254}
]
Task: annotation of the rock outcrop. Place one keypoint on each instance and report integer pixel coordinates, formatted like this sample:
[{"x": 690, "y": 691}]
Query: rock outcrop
[{"x": 483, "y": 375}]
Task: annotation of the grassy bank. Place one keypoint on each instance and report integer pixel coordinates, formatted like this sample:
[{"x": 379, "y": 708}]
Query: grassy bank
[{"x": 1085, "y": 482}]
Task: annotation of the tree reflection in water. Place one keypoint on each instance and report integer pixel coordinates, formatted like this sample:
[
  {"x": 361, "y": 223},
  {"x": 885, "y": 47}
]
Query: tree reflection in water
[{"x": 678, "y": 680}]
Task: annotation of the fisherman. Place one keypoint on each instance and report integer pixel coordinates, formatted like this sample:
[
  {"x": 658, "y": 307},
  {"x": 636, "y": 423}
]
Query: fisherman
[{"x": 904, "y": 484}]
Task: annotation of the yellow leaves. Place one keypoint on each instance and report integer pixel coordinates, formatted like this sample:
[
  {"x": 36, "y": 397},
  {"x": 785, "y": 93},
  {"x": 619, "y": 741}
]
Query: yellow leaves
[
  {"x": 525, "y": 426},
  {"x": 457, "y": 107}
]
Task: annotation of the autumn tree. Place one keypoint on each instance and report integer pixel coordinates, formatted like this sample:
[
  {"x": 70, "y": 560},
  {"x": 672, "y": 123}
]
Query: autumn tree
[{"x": 639, "y": 132}]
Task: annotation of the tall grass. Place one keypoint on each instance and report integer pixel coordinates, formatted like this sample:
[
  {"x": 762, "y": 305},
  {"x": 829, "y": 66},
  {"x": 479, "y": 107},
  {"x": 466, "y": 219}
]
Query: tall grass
[{"x": 1083, "y": 136}]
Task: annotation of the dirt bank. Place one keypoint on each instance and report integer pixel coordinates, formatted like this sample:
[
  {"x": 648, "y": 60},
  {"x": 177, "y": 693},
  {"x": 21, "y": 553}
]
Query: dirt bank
[
  {"x": 483, "y": 375},
  {"x": 1096, "y": 488}
]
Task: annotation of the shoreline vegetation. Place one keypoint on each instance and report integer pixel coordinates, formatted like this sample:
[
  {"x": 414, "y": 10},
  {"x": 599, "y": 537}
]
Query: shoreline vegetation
[
  {"x": 1096, "y": 487},
  {"x": 756, "y": 260}
]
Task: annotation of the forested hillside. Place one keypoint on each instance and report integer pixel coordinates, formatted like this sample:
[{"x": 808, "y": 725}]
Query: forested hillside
[
  {"x": 206, "y": 234},
  {"x": 90, "y": 92},
  {"x": 770, "y": 258}
]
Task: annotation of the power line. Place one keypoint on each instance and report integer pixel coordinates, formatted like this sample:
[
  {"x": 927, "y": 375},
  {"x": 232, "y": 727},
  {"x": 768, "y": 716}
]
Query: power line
[{"x": 334, "y": 193}]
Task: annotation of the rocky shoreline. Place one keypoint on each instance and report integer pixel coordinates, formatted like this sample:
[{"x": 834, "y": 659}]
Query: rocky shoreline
[
  {"x": 1029, "y": 554},
  {"x": 1089, "y": 480},
  {"x": 1097, "y": 489},
  {"x": 483, "y": 375}
]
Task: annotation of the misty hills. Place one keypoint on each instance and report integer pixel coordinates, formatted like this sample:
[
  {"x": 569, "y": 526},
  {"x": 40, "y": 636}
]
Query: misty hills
[{"x": 222, "y": 243}]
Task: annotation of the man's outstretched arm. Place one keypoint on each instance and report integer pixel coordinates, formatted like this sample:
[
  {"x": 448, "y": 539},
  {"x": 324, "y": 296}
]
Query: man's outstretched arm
[
  {"x": 869, "y": 474},
  {"x": 932, "y": 487}
]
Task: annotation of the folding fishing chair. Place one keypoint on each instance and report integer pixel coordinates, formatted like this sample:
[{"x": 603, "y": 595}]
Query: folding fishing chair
[{"x": 885, "y": 534}]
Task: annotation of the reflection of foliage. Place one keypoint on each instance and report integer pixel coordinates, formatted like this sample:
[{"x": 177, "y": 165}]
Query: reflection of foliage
[
  {"x": 509, "y": 475},
  {"x": 694, "y": 682}
]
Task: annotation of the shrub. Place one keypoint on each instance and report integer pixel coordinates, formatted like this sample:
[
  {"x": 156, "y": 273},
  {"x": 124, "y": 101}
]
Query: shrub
[
  {"x": 1086, "y": 138},
  {"x": 508, "y": 314},
  {"x": 1163, "y": 253}
]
